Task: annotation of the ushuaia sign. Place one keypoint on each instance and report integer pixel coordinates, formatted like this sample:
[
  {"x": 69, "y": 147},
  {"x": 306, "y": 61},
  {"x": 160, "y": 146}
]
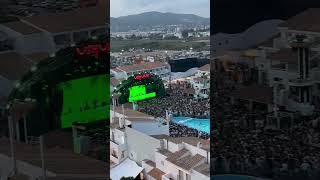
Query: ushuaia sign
[
  {"x": 93, "y": 50},
  {"x": 142, "y": 76}
]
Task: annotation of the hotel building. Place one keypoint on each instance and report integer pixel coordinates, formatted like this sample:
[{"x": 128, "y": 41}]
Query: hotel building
[
  {"x": 285, "y": 69},
  {"x": 163, "y": 70},
  {"x": 140, "y": 146}
]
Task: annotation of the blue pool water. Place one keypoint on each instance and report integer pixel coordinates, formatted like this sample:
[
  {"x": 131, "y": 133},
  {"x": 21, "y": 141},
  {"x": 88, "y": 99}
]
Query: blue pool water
[{"x": 199, "y": 124}]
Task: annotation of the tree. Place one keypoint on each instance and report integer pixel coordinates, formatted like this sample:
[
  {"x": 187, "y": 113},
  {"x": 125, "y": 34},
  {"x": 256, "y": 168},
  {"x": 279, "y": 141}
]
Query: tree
[{"x": 185, "y": 34}]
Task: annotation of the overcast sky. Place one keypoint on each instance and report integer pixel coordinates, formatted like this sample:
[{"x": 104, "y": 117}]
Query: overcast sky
[{"x": 128, "y": 7}]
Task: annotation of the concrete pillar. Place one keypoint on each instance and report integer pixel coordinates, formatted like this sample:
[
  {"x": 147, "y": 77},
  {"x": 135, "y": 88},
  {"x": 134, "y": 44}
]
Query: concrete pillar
[
  {"x": 25, "y": 129},
  {"x": 260, "y": 77},
  {"x": 42, "y": 157},
  {"x": 71, "y": 37},
  {"x": 305, "y": 93},
  {"x": 11, "y": 134},
  {"x": 232, "y": 100},
  {"x": 301, "y": 95},
  {"x": 134, "y": 106},
  {"x": 17, "y": 130},
  {"x": 250, "y": 105},
  {"x": 270, "y": 107}
]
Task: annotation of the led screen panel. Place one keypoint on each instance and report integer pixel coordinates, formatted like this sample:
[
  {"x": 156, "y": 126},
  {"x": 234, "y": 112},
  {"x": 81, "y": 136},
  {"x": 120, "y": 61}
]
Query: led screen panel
[
  {"x": 85, "y": 100},
  {"x": 139, "y": 93}
]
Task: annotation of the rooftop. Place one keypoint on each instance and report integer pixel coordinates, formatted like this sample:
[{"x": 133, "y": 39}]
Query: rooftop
[
  {"x": 140, "y": 67},
  {"x": 70, "y": 20},
  {"x": 176, "y": 155},
  {"x": 22, "y": 28},
  {"x": 130, "y": 113},
  {"x": 13, "y": 66},
  {"x": 205, "y": 68},
  {"x": 185, "y": 161},
  {"x": 156, "y": 173},
  {"x": 203, "y": 169},
  {"x": 200, "y": 79},
  {"x": 37, "y": 57},
  {"x": 306, "y": 21},
  {"x": 188, "y": 140},
  {"x": 114, "y": 82},
  {"x": 57, "y": 160},
  {"x": 149, "y": 162},
  {"x": 164, "y": 152}
]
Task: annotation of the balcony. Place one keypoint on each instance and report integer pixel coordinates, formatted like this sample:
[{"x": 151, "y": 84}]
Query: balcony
[
  {"x": 316, "y": 74},
  {"x": 114, "y": 158},
  {"x": 117, "y": 146},
  {"x": 169, "y": 176},
  {"x": 303, "y": 108},
  {"x": 301, "y": 82}
]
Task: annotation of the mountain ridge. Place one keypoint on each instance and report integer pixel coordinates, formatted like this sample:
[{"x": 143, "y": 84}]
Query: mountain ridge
[{"x": 154, "y": 18}]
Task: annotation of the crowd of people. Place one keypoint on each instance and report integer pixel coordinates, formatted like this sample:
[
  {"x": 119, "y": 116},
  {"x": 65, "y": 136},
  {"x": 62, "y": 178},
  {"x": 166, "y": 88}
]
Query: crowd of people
[
  {"x": 178, "y": 104},
  {"x": 178, "y": 130},
  {"x": 242, "y": 143}
]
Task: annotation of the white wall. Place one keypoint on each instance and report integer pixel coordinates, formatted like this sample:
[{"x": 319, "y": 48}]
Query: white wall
[
  {"x": 194, "y": 150},
  {"x": 24, "y": 168},
  {"x": 172, "y": 147},
  {"x": 26, "y": 44},
  {"x": 141, "y": 145},
  {"x": 119, "y": 75},
  {"x": 151, "y": 127},
  {"x": 161, "y": 162},
  {"x": 6, "y": 85},
  {"x": 40, "y": 42},
  {"x": 254, "y": 35},
  {"x": 198, "y": 176},
  {"x": 118, "y": 136}
]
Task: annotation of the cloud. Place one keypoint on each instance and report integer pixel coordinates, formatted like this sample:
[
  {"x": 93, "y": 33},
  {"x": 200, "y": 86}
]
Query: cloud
[{"x": 127, "y": 7}]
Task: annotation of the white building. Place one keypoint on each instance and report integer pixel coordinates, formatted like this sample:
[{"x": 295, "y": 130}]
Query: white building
[
  {"x": 60, "y": 163},
  {"x": 290, "y": 69},
  {"x": 142, "y": 141},
  {"x": 43, "y": 34},
  {"x": 163, "y": 70},
  {"x": 295, "y": 75},
  {"x": 199, "y": 82},
  {"x": 201, "y": 85}
]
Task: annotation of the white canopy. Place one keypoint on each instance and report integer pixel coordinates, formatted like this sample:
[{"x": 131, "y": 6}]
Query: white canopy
[{"x": 127, "y": 168}]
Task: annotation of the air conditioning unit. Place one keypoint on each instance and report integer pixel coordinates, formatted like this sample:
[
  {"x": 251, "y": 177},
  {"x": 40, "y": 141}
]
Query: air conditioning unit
[{"x": 122, "y": 122}]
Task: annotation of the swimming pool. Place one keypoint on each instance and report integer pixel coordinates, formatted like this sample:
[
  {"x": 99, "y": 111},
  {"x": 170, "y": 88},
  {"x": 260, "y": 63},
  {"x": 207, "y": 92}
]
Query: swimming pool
[{"x": 199, "y": 124}]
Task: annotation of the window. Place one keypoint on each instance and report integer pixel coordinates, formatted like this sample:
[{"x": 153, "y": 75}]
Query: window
[
  {"x": 80, "y": 36},
  {"x": 62, "y": 39},
  {"x": 122, "y": 154},
  {"x": 277, "y": 79}
]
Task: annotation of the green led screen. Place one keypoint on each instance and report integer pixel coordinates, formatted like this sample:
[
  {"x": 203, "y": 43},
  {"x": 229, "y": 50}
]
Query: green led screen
[
  {"x": 85, "y": 100},
  {"x": 138, "y": 93}
]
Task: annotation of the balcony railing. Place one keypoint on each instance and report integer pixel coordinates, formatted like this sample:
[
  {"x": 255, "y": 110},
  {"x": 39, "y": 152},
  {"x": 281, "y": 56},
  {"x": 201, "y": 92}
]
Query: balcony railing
[{"x": 114, "y": 155}]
